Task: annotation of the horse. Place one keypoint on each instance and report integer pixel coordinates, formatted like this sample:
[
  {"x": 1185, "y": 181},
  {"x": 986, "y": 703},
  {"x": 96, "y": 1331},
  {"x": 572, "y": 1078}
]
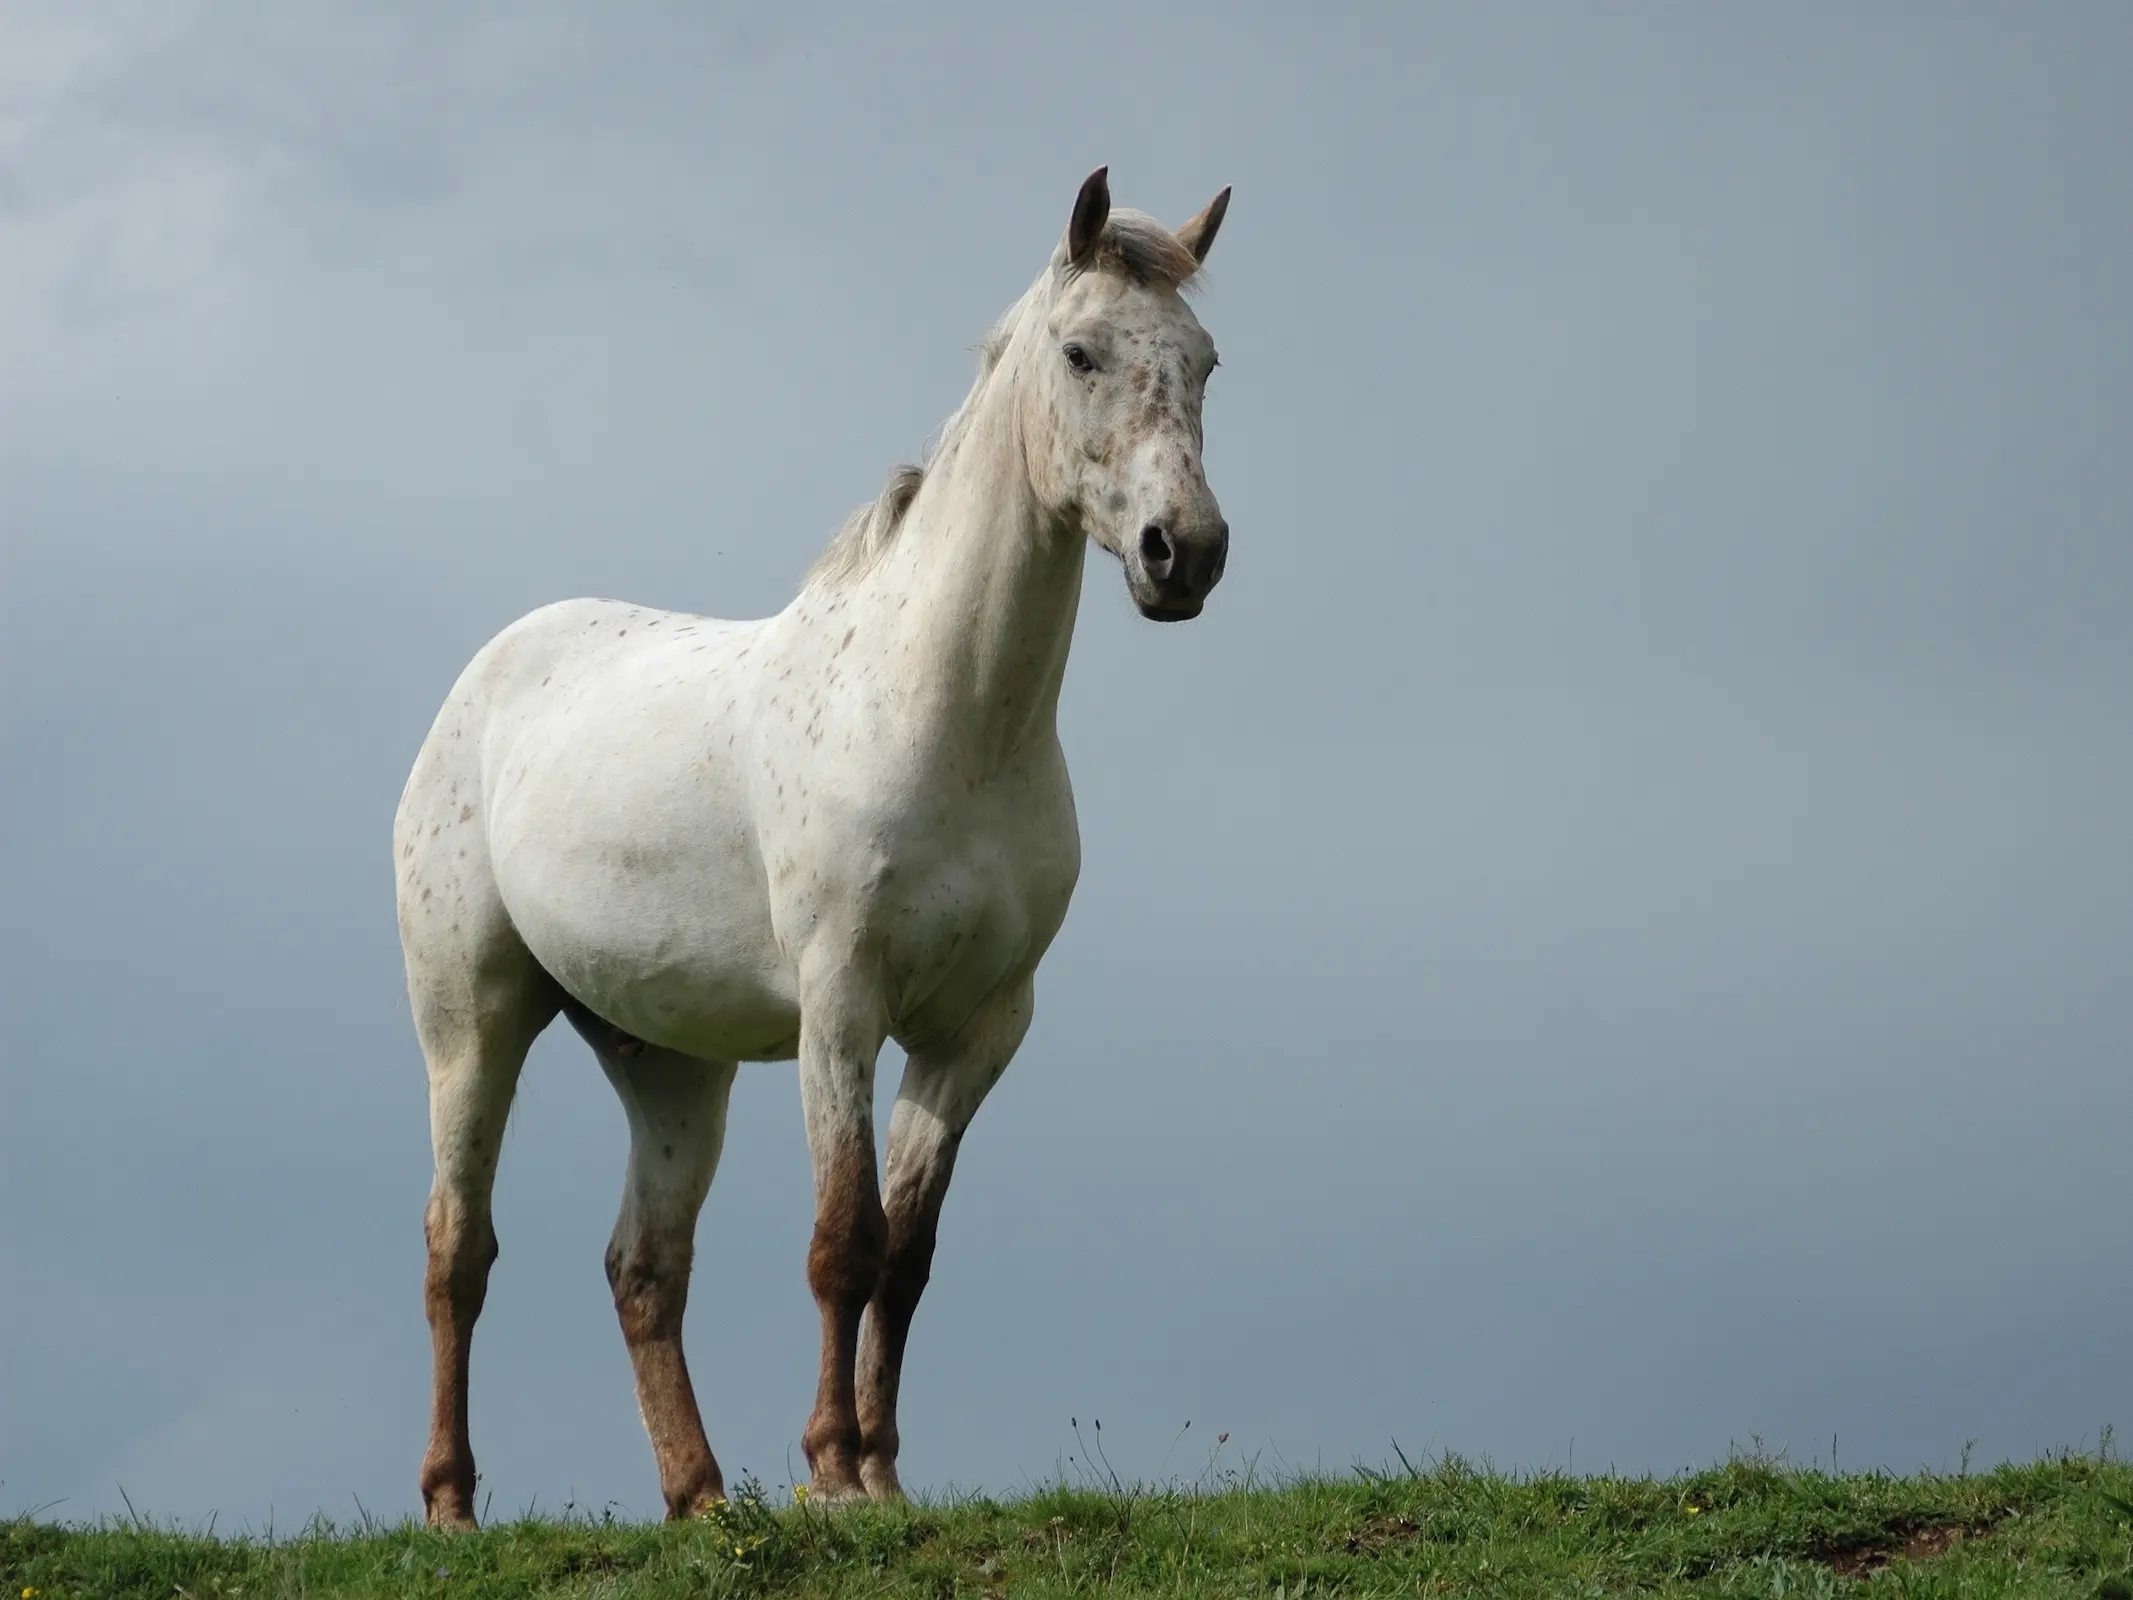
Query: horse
[{"x": 704, "y": 842}]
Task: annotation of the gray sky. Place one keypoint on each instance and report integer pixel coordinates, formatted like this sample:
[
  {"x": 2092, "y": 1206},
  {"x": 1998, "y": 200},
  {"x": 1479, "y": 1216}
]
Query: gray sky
[{"x": 1654, "y": 971}]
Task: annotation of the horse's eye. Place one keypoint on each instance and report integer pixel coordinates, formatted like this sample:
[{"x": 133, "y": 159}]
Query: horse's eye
[{"x": 1078, "y": 359}]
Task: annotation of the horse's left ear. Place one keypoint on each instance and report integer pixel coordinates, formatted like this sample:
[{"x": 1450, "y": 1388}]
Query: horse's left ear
[{"x": 1198, "y": 235}]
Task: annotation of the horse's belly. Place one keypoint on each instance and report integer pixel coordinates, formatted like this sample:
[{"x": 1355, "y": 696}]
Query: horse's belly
[
  {"x": 715, "y": 1010},
  {"x": 655, "y": 919},
  {"x": 622, "y": 845},
  {"x": 695, "y": 972}
]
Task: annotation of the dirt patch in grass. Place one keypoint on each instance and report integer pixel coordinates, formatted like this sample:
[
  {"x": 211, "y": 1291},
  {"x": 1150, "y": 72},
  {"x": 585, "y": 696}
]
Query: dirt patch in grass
[
  {"x": 1859, "y": 1558},
  {"x": 1382, "y": 1533},
  {"x": 594, "y": 1563}
]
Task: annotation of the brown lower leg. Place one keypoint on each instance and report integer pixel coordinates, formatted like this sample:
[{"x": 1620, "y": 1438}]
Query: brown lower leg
[
  {"x": 843, "y": 1269},
  {"x": 651, "y": 1295},
  {"x": 914, "y": 1221},
  {"x": 461, "y": 1251}
]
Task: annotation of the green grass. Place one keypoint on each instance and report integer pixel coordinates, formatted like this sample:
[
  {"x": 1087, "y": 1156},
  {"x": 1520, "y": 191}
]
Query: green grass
[{"x": 2062, "y": 1527}]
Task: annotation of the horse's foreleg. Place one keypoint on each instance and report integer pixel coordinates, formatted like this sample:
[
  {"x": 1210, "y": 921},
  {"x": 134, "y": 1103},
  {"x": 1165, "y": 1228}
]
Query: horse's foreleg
[
  {"x": 940, "y": 1093},
  {"x": 844, "y": 1260},
  {"x": 677, "y": 1114}
]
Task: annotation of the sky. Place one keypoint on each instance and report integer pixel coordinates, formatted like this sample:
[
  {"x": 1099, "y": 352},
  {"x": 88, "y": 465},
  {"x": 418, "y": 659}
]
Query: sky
[{"x": 1634, "y": 955}]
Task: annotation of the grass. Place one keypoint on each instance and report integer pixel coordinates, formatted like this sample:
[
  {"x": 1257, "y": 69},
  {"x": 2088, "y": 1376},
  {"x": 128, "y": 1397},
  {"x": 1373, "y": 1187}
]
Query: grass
[{"x": 2061, "y": 1527}]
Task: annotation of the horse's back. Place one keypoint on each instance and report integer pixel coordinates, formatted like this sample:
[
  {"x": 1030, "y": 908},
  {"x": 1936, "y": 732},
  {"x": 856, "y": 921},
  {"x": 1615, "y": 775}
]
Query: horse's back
[{"x": 538, "y": 667}]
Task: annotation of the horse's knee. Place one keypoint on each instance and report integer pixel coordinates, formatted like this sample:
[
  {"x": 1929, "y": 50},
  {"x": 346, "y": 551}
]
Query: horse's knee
[
  {"x": 849, "y": 1249},
  {"x": 650, "y": 1281},
  {"x": 462, "y": 1249}
]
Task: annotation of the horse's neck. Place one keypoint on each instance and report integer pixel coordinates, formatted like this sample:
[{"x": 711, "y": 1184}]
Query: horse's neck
[{"x": 987, "y": 593}]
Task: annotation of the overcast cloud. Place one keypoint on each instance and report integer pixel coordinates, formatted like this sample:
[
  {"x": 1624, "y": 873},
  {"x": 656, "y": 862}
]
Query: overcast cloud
[{"x": 1616, "y": 927}]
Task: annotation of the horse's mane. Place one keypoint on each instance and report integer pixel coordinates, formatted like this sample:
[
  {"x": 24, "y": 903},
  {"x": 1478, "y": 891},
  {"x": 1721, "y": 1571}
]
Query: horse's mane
[{"x": 1133, "y": 244}]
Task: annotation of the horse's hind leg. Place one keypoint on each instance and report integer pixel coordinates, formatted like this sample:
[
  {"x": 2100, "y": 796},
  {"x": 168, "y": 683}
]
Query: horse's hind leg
[
  {"x": 676, "y": 1106},
  {"x": 480, "y": 1000}
]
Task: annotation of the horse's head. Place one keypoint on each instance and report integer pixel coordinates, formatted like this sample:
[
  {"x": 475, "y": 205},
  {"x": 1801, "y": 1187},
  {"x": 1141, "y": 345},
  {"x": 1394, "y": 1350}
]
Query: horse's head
[{"x": 1110, "y": 409}]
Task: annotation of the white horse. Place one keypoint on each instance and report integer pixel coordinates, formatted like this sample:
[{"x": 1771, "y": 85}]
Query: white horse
[{"x": 709, "y": 842}]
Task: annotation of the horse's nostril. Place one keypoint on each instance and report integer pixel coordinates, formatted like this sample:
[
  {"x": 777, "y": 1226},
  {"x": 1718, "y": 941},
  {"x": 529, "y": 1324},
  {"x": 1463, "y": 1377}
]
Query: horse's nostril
[{"x": 1156, "y": 553}]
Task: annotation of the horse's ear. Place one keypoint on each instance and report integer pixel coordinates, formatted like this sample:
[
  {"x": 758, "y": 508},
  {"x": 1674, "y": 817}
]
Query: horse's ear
[
  {"x": 1198, "y": 235},
  {"x": 1092, "y": 209}
]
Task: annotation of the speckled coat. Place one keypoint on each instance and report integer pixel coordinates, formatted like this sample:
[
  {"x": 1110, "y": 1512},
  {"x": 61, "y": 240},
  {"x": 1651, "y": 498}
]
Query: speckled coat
[{"x": 707, "y": 842}]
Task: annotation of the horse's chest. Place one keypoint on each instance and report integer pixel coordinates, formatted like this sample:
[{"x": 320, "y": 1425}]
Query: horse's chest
[
  {"x": 970, "y": 905},
  {"x": 952, "y": 937},
  {"x": 982, "y": 888}
]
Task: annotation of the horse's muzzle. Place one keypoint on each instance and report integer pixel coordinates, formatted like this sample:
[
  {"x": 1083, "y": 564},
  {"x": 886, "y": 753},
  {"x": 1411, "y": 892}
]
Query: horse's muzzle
[{"x": 1172, "y": 569}]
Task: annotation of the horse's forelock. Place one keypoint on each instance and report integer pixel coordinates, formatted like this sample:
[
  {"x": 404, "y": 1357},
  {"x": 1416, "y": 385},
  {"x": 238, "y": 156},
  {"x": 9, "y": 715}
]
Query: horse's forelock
[{"x": 1137, "y": 245}]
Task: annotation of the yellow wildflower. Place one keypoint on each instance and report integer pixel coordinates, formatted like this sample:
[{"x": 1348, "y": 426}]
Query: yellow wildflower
[
  {"x": 799, "y": 1493},
  {"x": 1695, "y": 1511}
]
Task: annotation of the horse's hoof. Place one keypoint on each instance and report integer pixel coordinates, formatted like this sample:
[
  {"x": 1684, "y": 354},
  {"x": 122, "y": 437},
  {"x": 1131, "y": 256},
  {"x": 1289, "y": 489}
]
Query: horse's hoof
[
  {"x": 689, "y": 1508},
  {"x": 448, "y": 1498},
  {"x": 835, "y": 1495},
  {"x": 881, "y": 1482}
]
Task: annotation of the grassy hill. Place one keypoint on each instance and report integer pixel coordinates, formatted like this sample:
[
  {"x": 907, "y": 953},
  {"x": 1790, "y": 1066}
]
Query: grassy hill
[{"x": 2062, "y": 1527}]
